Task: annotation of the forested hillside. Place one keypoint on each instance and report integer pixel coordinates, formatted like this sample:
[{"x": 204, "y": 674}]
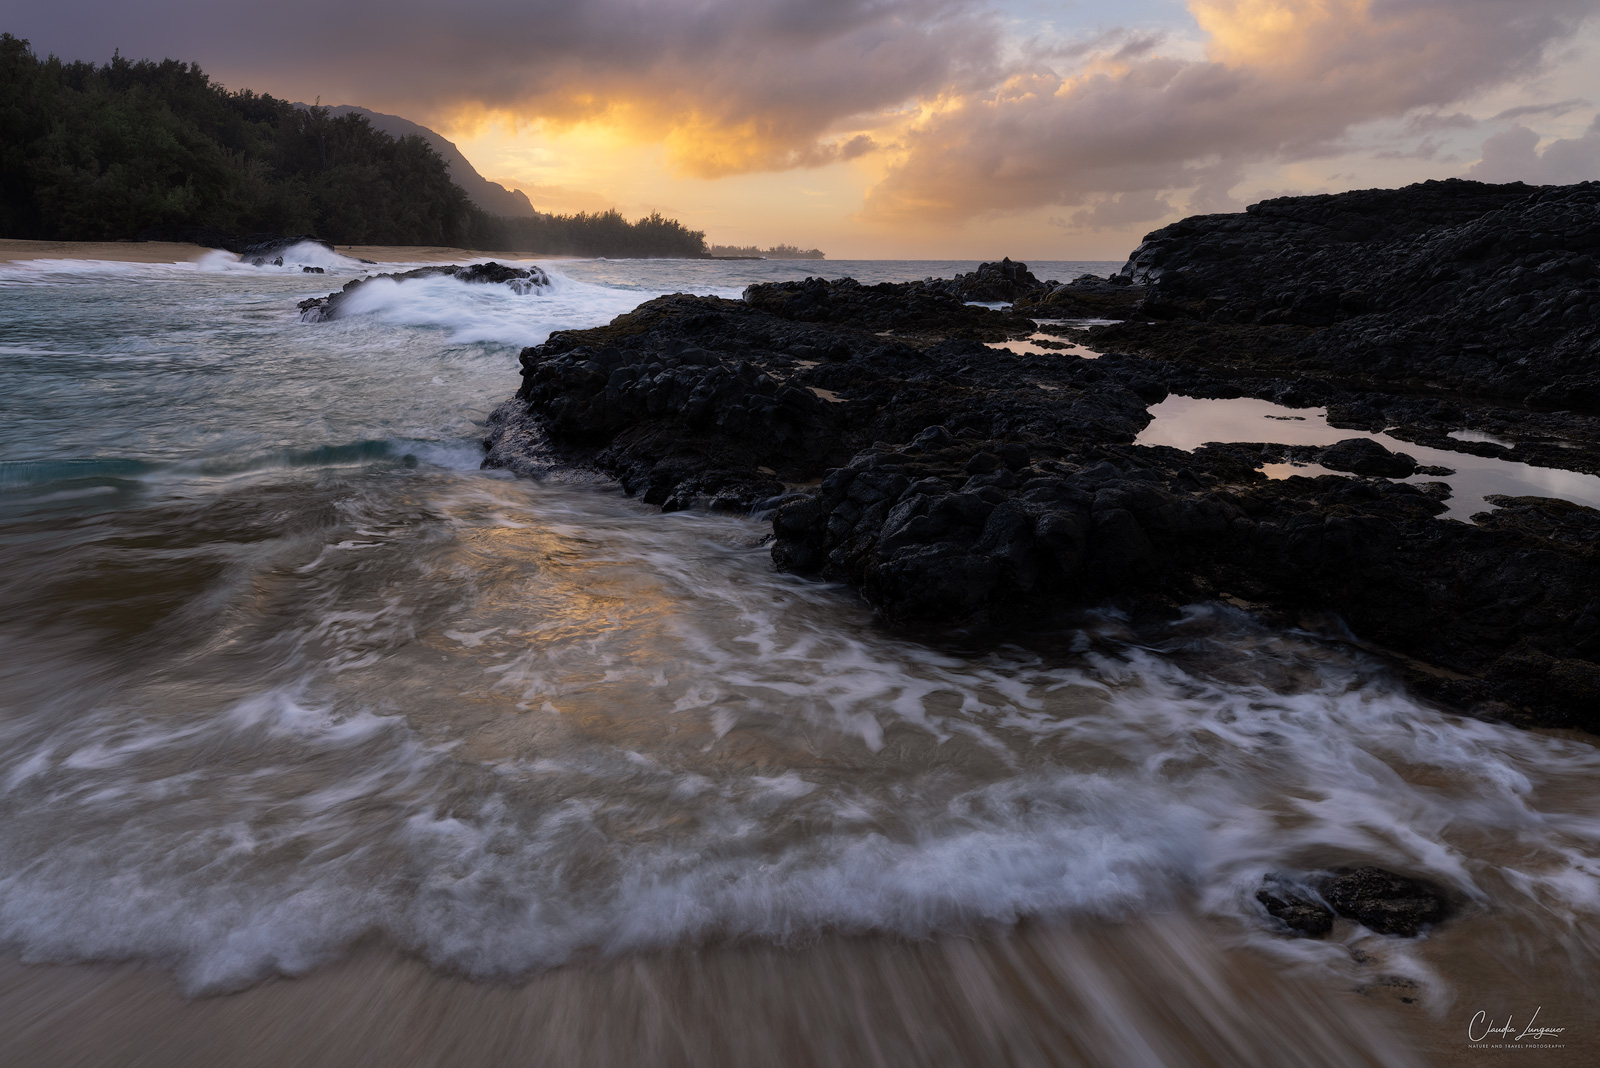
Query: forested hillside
[{"x": 139, "y": 149}]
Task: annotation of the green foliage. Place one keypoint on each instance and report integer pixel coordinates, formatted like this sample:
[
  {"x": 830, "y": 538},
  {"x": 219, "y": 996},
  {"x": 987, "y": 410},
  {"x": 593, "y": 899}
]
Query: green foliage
[
  {"x": 604, "y": 233},
  {"x": 145, "y": 150}
]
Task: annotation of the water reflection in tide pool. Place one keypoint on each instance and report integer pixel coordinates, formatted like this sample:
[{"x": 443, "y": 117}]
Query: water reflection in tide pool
[
  {"x": 1189, "y": 422},
  {"x": 1049, "y": 342}
]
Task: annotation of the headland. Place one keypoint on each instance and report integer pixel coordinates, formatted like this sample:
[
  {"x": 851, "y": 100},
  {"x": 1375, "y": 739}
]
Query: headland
[{"x": 910, "y": 443}]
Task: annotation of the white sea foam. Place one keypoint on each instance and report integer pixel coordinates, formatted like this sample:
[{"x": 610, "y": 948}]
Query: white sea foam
[
  {"x": 295, "y": 257},
  {"x": 709, "y": 750},
  {"x": 57, "y": 271},
  {"x": 473, "y": 312}
]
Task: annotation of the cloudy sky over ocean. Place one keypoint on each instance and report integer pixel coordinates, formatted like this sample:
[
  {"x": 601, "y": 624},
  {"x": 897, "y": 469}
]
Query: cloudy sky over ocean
[{"x": 909, "y": 128}]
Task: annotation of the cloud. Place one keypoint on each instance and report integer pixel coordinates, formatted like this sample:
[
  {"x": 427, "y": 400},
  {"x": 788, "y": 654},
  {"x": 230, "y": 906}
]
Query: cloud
[
  {"x": 1428, "y": 148},
  {"x": 727, "y": 85},
  {"x": 968, "y": 123},
  {"x": 1115, "y": 211},
  {"x": 1426, "y": 122},
  {"x": 1559, "y": 108},
  {"x": 1513, "y": 156},
  {"x": 1282, "y": 79}
]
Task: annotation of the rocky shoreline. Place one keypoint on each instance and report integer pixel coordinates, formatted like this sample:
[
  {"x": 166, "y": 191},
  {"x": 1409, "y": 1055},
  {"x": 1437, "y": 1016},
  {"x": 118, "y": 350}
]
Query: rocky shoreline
[{"x": 960, "y": 485}]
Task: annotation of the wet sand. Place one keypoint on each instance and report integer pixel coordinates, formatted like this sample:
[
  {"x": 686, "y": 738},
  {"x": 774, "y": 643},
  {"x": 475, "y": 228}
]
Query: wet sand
[
  {"x": 1145, "y": 994},
  {"x": 1154, "y": 992}
]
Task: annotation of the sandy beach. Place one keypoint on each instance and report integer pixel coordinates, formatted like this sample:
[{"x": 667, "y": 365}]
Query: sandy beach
[
  {"x": 12, "y": 251},
  {"x": 1038, "y": 994},
  {"x": 431, "y": 254}
]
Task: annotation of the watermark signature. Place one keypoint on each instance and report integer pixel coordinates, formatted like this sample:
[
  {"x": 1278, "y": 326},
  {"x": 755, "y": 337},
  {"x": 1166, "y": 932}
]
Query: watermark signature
[{"x": 1485, "y": 1033}]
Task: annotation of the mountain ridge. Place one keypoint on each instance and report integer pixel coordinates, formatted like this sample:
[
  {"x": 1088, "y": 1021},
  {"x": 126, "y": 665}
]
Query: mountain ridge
[{"x": 492, "y": 197}]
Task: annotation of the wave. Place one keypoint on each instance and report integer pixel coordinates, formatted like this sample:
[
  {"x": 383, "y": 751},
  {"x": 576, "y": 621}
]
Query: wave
[
  {"x": 19, "y": 473},
  {"x": 471, "y": 313},
  {"x": 33, "y": 474},
  {"x": 36, "y": 272},
  {"x": 293, "y": 259}
]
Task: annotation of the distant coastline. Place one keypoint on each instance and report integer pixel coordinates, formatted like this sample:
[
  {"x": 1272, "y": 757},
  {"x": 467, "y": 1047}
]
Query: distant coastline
[{"x": 753, "y": 252}]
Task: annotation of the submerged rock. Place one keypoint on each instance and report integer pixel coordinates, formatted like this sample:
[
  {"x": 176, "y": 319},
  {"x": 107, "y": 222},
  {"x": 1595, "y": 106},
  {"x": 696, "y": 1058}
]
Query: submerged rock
[
  {"x": 1379, "y": 899},
  {"x": 1299, "y": 908},
  {"x": 520, "y": 280},
  {"x": 270, "y": 251},
  {"x": 1389, "y": 904}
]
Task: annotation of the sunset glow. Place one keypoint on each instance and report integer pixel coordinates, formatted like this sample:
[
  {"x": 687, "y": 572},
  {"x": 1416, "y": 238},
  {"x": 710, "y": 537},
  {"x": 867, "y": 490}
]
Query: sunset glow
[{"x": 940, "y": 127}]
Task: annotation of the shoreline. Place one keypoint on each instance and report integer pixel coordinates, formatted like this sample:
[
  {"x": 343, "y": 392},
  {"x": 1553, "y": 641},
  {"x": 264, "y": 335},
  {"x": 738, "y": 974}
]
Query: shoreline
[{"x": 735, "y": 1004}]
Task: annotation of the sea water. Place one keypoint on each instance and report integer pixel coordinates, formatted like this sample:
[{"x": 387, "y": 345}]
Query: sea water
[{"x": 284, "y": 674}]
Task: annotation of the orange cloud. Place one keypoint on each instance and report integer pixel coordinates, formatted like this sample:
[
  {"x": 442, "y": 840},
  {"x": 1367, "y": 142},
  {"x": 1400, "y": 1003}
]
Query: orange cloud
[
  {"x": 1274, "y": 33},
  {"x": 946, "y": 118},
  {"x": 1281, "y": 79}
]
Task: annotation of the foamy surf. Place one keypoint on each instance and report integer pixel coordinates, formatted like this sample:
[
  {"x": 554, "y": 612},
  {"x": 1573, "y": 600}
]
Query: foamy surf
[
  {"x": 473, "y": 312},
  {"x": 291, "y": 259},
  {"x": 590, "y": 741}
]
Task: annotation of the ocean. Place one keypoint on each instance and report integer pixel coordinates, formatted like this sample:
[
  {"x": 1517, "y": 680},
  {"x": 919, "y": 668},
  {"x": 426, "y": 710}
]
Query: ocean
[{"x": 289, "y": 684}]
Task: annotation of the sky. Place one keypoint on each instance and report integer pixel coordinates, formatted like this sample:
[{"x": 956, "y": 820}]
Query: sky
[{"x": 938, "y": 129}]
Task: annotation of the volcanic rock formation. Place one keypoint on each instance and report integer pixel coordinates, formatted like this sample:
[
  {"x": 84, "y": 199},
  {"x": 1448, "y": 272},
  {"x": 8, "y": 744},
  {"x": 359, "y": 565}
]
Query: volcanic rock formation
[
  {"x": 520, "y": 280},
  {"x": 960, "y": 485}
]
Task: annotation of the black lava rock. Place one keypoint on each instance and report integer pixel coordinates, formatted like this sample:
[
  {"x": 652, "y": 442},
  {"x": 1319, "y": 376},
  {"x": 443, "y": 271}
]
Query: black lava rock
[
  {"x": 961, "y": 485},
  {"x": 1085, "y": 297},
  {"x": 993, "y": 282},
  {"x": 1366, "y": 457},
  {"x": 1453, "y": 285},
  {"x": 1296, "y": 907},
  {"x": 1388, "y": 903},
  {"x": 520, "y": 280}
]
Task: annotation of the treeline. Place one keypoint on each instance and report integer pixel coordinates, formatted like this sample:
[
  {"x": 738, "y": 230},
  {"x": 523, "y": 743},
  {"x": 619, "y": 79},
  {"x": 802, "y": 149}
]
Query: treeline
[
  {"x": 604, "y": 233},
  {"x": 776, "y": 252},
  {"x": 145, "y": 150}
]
